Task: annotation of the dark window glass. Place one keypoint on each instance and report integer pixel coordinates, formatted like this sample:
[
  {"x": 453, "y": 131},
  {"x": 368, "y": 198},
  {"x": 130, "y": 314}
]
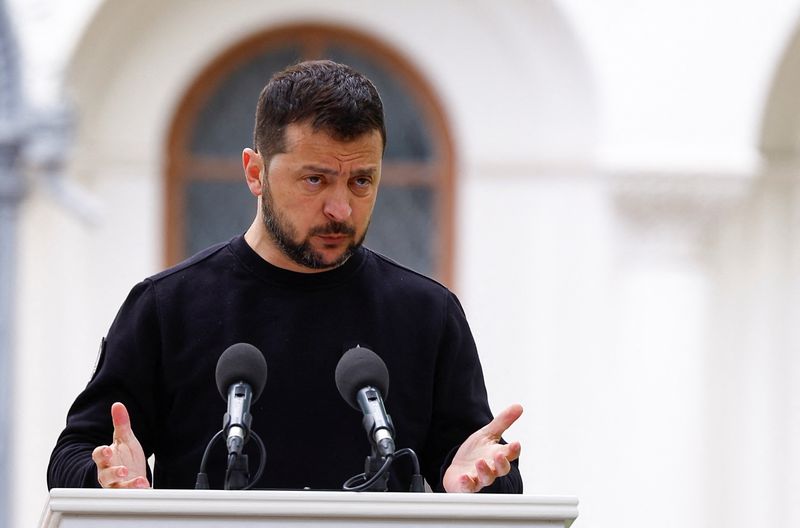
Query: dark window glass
[
  {"x": 402, "y": 226},
  {"x": 216, "y": 211}
]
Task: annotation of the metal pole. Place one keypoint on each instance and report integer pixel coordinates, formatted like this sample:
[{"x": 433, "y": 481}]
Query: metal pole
[{"x": 11, "y": 194}]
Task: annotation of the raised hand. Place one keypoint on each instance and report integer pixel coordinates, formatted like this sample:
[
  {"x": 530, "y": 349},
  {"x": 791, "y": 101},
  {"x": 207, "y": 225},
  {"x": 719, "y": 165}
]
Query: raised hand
[
  {"x": 122, "y": 464},
  {"x": 481, "y": 458}
]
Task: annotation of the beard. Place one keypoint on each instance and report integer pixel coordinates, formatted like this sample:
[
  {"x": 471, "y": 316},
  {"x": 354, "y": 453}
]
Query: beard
[{"x": 284, "y": 234}]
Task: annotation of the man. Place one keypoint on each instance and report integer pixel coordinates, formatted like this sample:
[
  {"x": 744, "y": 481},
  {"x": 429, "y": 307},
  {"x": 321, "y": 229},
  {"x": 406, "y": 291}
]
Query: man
[{"x": 299, "y": 286}]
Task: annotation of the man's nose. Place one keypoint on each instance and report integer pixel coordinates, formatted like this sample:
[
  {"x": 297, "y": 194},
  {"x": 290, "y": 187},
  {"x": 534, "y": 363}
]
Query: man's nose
[{"x": 337, "y": 205}]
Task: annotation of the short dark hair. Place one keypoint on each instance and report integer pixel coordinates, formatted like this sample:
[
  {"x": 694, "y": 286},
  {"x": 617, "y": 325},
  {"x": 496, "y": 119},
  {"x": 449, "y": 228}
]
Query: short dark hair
[{"x": 332, "y": 97}]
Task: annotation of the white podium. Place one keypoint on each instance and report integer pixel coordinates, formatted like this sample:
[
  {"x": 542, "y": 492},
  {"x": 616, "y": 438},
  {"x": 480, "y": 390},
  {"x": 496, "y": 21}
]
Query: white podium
[{"x": 95, "y": 508}]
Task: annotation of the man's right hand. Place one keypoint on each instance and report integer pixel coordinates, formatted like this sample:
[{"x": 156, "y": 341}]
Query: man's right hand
[{"x": 122, "y": 464}]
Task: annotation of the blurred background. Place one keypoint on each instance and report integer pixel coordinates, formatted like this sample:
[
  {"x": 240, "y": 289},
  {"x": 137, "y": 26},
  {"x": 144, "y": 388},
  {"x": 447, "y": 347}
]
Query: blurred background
[{"x": 611, "y": 188}]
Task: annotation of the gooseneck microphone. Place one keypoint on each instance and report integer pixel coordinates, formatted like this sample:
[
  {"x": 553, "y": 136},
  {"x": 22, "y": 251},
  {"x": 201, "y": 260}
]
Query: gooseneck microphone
[
  {"x": 241, "y": 376},
  {"x": 363, "y": 381}
]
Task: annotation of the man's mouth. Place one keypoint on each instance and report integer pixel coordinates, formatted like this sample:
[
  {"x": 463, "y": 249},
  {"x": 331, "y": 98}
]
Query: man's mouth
[
  {"x": 334, "y": 238},
  {"x": 334, "y": 231}
]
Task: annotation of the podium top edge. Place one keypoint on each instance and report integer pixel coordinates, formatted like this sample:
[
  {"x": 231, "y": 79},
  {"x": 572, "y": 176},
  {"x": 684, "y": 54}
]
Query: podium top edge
[
  {"x": 286, "y": 503},
  {"x": 311, "y": 495}
]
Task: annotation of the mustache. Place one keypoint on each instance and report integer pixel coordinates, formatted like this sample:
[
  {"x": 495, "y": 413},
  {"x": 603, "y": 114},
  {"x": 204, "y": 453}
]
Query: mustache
[{"x": 333, "y": 228}]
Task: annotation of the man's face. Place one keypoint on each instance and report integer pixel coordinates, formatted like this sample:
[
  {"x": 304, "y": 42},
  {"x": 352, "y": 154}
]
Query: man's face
[{"x": 317, "y": 197}]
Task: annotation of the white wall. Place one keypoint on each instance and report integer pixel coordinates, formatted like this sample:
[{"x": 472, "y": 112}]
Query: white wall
[
  {"x": 609, "y": 179},
  {"x": 683, "y": 83}
]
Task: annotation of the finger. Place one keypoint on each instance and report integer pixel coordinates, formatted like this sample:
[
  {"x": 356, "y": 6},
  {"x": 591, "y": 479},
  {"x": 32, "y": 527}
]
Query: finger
[
  {"x": 110, "y": 477},
  {"x": 501, "y": 465},
  {"x": 102, "y": 456},
  {"x": 135, "y": 483},
  {"x": 511, "y": 451},
  {"x": 468, "y": 484},
  {"x": 485, "y": 474},
  {"x": 503, "y": 421},
  {"x": 122, "y": 422}
]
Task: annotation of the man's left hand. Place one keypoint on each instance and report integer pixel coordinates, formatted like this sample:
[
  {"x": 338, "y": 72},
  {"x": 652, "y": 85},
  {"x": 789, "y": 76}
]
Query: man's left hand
[{"x": 481, "y": 458}]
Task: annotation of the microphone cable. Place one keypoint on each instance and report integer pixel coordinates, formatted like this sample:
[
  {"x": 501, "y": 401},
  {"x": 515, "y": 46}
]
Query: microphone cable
[
  {"x": 202, "y": 476},
  {"x": 417, "y": 482}
]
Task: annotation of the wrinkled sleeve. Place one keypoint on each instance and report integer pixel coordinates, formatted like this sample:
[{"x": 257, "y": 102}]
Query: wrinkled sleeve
[
  {"x": 460, "y": 404},
  {"x": 126, "y": 371}
]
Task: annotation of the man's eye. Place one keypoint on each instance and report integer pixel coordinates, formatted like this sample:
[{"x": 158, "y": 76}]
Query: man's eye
[
  {"x": 314, "y": 180},
  {"x": 361, "y": 186}
]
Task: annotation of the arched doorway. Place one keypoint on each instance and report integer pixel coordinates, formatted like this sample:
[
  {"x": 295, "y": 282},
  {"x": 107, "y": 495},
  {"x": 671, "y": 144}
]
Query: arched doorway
[{"x": 207, "y": 200}]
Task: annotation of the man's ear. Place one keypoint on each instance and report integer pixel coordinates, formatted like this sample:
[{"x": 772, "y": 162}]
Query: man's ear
[{"x": 253, "y": 166}]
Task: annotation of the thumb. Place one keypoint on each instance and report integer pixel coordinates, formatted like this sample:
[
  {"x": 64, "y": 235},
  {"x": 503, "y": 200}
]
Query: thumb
[
  {"x": 503, "y": 421},
  {"x": 122, "y": 422}
]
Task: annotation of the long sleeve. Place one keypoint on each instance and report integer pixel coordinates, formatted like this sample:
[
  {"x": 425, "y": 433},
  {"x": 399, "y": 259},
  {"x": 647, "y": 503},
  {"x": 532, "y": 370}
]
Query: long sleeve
[
  {"x": 127, "y": 371},
  {"x": 460, "y": 402}
]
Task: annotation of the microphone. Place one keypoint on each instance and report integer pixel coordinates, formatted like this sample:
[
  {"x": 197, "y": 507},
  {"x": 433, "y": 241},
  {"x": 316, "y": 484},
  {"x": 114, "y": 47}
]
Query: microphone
[
  {"x": 241, "y": 376},
  {"x": 363, "y": 381}
]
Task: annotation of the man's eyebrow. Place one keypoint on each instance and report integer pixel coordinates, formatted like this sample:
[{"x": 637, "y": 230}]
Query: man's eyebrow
[
  {"x": 319, "y": 169},
  {"x": 366, "y": 171}
]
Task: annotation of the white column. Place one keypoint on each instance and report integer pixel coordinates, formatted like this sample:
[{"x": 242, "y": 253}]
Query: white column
[{"x": 754, "y": 363}]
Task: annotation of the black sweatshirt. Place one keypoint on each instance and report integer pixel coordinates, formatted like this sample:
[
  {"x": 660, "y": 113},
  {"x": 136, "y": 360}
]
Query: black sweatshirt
[{"x": 162, "y": 350}]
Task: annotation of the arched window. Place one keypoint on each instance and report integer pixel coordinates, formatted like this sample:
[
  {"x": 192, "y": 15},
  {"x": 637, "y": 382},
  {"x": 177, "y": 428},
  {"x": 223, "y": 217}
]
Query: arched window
[{"x": 207, "y": 199}]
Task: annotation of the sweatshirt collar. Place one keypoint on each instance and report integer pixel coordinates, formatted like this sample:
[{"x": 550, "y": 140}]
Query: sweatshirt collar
[{"x": 273, "y": 274}]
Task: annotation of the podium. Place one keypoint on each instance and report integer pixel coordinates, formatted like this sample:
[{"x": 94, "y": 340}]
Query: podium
[{"x": 95, "y": 508}]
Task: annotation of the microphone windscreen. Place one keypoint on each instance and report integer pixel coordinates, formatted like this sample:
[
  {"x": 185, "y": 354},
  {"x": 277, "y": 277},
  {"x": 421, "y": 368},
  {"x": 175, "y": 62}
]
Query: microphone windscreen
[
  {"x": 241, "y": 362},
  {"x": 360, "y": 367}
]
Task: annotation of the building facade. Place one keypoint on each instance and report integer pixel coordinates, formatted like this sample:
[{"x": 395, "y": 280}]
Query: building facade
[{"x": 611, "y": 190}]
